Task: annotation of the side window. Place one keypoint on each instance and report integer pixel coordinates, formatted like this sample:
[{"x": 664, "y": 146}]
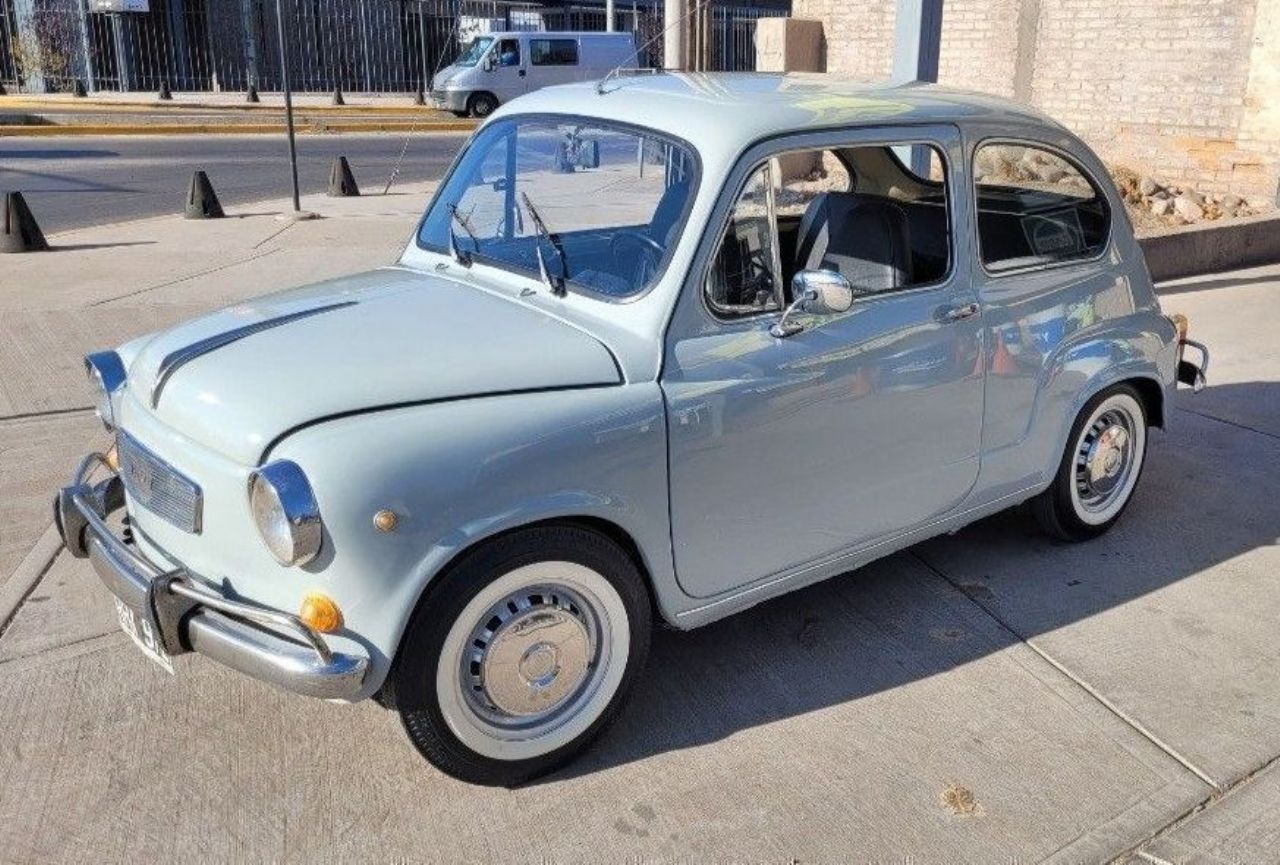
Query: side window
[
  {"x": 1035, "y": 207},
  {"x": 889, "y": 229},
  {"x": 742, "y": 279},
  {"x": 553, "y": 52},
  {"x": 509, "y": 52}
]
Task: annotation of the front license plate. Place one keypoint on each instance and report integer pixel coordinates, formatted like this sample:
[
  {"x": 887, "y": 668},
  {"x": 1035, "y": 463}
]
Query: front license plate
[{"x": 142, "y": 632}]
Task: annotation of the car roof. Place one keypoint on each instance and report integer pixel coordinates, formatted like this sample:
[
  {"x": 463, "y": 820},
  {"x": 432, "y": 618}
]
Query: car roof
[
  {"x": 718, "y": 112},
  {"x": 543, "y": 34}
]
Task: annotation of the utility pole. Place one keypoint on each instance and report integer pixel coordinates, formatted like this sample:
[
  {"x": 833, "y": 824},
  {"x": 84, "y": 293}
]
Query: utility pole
[
  {"x": 917, "y": 41},
  {"x": 675, "y": 22},
  {"x": 288, "y": 104},
  {"x": 608, "y": 16},
  {"x": 917, "y": 44}
]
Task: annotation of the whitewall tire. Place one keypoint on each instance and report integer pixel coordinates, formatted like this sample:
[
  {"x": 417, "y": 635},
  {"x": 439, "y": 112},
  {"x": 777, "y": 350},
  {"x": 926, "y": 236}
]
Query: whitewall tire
[
  {"x": 522, "y": 653},
  {"x": 1100, "y": 470}
]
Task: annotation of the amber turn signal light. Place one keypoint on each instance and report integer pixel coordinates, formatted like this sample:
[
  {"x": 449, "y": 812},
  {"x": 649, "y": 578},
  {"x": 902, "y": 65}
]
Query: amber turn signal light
[{"x": 321, "y": 613}]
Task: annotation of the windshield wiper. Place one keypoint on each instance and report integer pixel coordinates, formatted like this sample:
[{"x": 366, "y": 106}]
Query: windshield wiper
[
  {"x": 458, "y": 255},
  {"x": 557, "y": 284}
]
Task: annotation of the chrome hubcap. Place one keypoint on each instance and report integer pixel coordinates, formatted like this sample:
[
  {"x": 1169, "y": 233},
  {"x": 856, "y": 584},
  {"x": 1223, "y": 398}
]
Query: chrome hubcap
[
  {"x": 530, "y": 656},
  {"x": 1104, "y": 460}
]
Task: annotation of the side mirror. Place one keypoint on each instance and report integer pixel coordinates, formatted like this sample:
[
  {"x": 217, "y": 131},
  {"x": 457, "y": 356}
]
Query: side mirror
[
  {"x": 820, "y": 292},
  {"x": 589, "y": 153},
  {"x": 487, "y": 66}
]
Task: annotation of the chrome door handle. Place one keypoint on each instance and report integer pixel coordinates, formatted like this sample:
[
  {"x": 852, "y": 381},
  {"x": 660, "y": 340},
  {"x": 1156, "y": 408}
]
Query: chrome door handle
[{"x": 959, "y": 313}]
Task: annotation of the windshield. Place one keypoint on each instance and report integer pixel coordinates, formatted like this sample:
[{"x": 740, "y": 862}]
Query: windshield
[
  {"x": 591, "y": 204},
  {"x": 474, "y": 51}
]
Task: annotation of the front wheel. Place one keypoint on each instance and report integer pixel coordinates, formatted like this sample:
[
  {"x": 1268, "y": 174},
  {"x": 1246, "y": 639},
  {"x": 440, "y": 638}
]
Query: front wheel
[
  {"x": 482, "y": 104},
  {"x": 1100, "y": 468},
  {"x": 522, "y": 655}
]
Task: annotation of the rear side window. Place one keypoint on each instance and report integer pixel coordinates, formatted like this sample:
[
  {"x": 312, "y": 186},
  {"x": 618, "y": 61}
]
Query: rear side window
[
  {"x": 1035, "y": 207},
  {"x": 553, "y": 52}
]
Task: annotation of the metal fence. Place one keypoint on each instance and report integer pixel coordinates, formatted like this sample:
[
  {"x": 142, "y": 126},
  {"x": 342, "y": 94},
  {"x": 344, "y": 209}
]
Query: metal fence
[{"x": 352, "y": 45}]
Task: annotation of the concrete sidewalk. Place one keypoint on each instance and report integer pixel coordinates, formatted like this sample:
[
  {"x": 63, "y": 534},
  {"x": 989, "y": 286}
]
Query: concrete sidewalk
[{"x": 989, "y": 696}]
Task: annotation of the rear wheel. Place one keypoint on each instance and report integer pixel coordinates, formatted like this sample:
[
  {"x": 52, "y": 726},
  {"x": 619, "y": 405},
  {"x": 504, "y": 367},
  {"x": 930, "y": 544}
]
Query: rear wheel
[
  {"x": 482, "y": 104},
  {"x": 522, "y": 655},
  {"x": 1100, "y": 468}
]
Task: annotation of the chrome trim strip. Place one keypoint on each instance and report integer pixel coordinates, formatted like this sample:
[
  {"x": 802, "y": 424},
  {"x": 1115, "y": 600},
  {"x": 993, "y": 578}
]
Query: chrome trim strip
[
  {"x": 179, "y": 358},
  {"x": 836, "y": 558}
]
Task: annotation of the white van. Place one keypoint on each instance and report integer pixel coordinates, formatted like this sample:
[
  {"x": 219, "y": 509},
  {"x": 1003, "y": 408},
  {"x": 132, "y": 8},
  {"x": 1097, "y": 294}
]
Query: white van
[{"x": 498, "y": 67}]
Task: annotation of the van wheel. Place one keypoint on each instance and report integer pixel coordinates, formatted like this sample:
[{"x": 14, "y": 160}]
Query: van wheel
[
  {"x": 522, "y": 654},
  {"x": 482, "y": 104},
  {"x": 1100, "y": 468}
]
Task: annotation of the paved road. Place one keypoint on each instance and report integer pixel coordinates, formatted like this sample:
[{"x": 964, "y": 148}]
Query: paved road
[{"x": 77, "y": 182}]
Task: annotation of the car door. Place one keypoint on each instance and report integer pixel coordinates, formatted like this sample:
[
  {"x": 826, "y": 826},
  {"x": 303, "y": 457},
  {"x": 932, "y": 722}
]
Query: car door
[
  {"x": 788, "y": 452},
  {"x": 507, "y": 70}
]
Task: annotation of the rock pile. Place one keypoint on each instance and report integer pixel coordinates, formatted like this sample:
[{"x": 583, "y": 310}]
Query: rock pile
[{"x": 1170, "y": 204}]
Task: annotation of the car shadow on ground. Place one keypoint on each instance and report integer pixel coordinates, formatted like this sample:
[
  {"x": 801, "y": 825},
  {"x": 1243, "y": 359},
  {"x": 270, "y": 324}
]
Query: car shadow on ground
[{"x": 1202, "y": 500}]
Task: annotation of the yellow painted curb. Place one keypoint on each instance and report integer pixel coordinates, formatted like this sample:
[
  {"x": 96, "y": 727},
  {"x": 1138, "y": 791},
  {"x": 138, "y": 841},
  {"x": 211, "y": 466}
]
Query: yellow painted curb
[
  {"x": 100, "y": 106},
  {"x": 320, "y": 128}
]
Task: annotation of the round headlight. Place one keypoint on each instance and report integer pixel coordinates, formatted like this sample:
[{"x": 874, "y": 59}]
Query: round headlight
[
  {"x": 106, "y": 371},
  {"x": 285, "y": 512}
]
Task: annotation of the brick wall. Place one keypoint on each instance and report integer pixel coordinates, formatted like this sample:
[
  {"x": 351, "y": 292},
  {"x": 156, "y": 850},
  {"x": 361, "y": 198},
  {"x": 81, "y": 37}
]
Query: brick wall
[{"x": 1185, "y": 90}]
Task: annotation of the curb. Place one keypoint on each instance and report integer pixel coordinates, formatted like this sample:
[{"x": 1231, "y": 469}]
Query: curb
[
  {"x": 1211, "y": 248},
  {"x": 320, "y": 128},
  {"x": 34, "y": 565},
  {"x": 38, "y": 106}
]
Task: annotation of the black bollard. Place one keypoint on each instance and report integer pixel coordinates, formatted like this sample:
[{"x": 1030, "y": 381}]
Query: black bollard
[
  {"x": 164, "y": 95},
  {"x": 252, "y": 95},
  {"x": 342, "y": 183},
  {"x": 337, "y": 96},
  {"x": 202, "y": 201},
  {"x": 21, "y": 231},
  {"x": 77, "y": 89}
]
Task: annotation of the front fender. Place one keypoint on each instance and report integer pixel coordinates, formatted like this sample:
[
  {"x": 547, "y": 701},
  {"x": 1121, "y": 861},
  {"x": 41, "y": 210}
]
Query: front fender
[{"x": 461, "y": 471}]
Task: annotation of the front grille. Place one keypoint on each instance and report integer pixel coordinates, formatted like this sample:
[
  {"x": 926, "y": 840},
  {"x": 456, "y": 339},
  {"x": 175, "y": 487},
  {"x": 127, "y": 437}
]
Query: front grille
[{"x": 157, "y": 486}]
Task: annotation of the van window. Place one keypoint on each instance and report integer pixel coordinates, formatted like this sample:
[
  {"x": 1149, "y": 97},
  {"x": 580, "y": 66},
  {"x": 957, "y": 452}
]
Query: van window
[
  {"x": 509, "y": 52},
  {"x": 553, "y": 52},
  {"x": 1035, "y": 208}
]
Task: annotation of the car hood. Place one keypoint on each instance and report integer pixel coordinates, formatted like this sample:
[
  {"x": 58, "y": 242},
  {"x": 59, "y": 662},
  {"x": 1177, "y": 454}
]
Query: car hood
[{"x": 238, "y": 379}]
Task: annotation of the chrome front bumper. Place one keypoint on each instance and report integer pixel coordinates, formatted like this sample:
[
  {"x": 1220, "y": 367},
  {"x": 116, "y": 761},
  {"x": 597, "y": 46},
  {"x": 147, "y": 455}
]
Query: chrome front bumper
[{"x": 188, "y": 615}]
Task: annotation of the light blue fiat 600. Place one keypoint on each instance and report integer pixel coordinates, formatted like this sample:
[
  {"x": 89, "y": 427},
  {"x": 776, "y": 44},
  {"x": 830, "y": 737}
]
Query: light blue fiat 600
[{"x": 662, "y": 348}]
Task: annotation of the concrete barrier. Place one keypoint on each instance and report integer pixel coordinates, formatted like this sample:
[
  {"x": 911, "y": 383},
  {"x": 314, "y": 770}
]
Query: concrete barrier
[{"x": 1212, "y": 247}]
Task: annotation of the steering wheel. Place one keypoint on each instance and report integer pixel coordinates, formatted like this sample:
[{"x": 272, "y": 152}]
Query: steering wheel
[{"x": 628, "y": 244}]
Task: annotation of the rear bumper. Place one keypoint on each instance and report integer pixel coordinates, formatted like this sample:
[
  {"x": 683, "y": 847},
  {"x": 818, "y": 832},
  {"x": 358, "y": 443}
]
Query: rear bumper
[
  {"x": 1191, "y": 373},
  {"x": 190, "y": 616}
]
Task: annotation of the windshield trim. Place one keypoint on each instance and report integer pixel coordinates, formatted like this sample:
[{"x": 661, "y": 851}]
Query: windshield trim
[{"x": 574, "y": 287}]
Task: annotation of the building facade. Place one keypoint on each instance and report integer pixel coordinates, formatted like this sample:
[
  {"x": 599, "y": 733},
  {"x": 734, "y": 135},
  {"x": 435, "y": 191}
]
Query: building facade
[
  {"x": 354, "y": 45},
  {"x": 1187, "y": 91}
]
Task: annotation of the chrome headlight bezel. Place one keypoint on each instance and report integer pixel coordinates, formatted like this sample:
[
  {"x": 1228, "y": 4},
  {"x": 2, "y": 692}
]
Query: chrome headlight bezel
[
  {"x": 284, "y": 509},
  {"x": 106, "y": 371}
]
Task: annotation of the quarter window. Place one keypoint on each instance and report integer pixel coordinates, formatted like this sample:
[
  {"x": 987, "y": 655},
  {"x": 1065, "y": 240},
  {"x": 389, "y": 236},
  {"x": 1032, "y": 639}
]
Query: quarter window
[
  {"x": 553, "y": 52},
  {"x": 1035, "y": 207}
]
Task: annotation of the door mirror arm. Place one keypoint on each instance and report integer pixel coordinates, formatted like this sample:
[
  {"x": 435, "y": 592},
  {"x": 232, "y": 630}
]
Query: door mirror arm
[{"x": 821, "y": 292}]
